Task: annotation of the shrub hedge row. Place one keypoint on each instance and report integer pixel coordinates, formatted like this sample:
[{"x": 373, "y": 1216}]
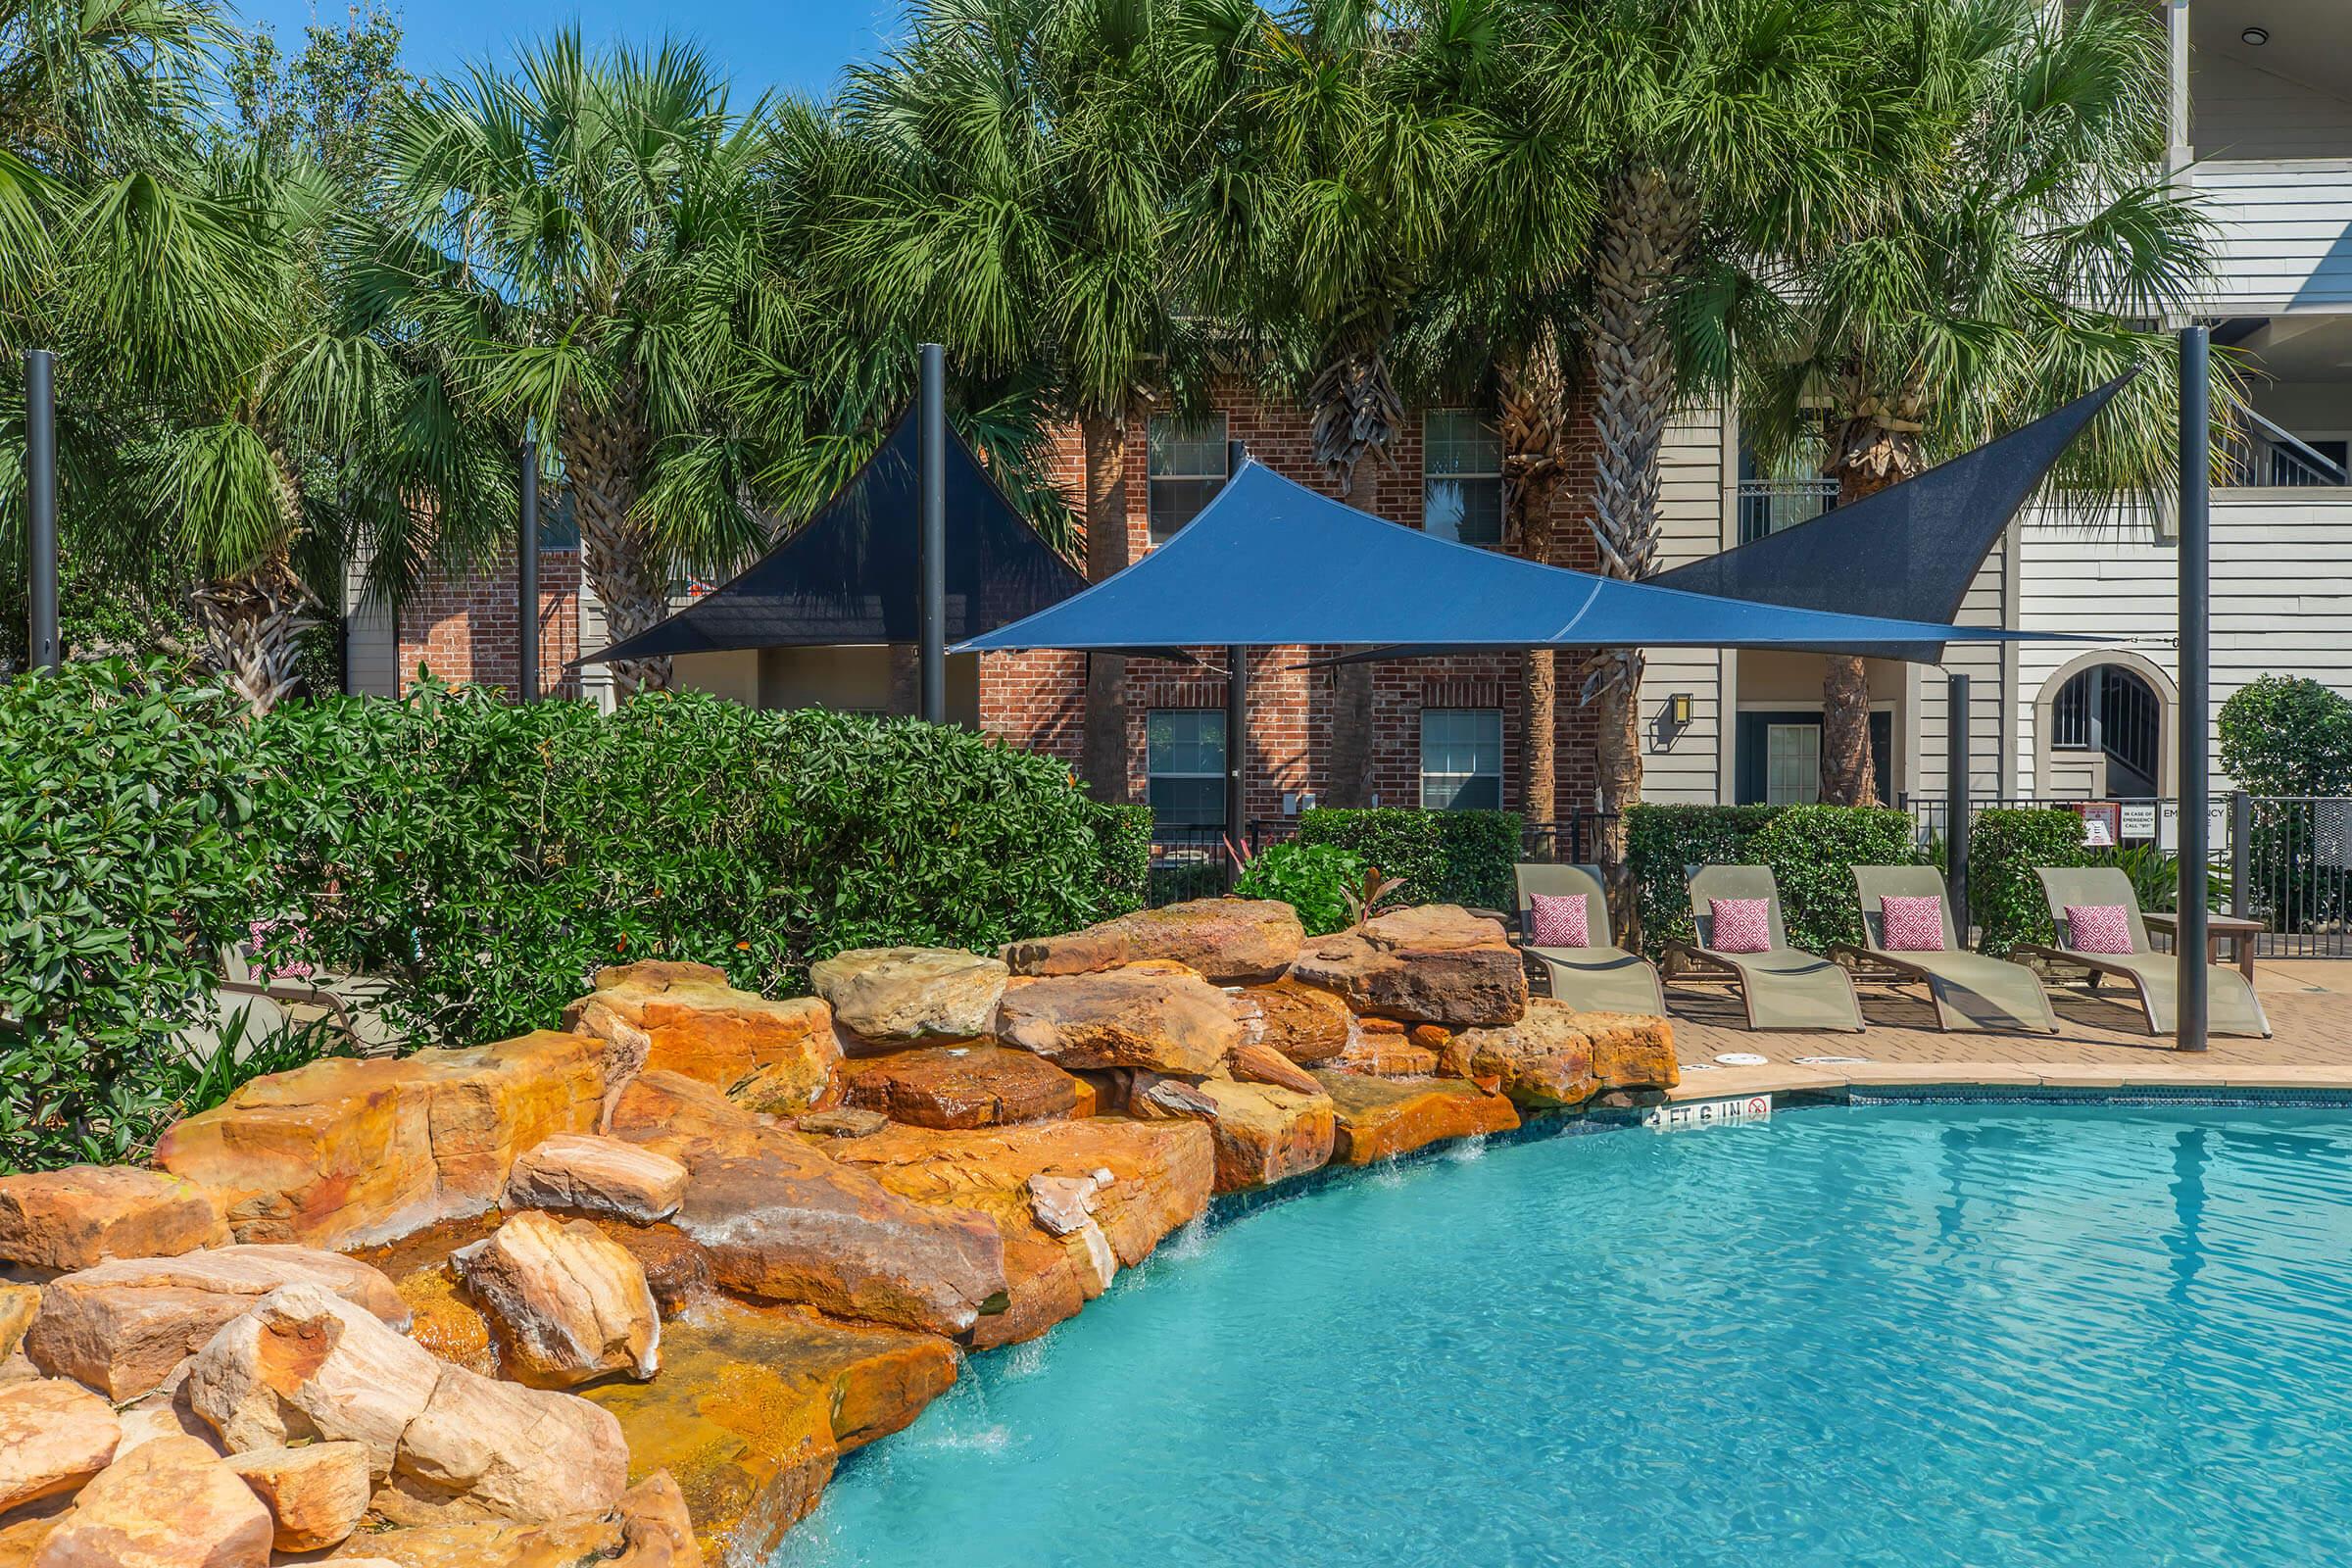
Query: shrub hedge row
[
  {"x": 483, "y": 858},
  {"x": 1811, "y": 849},
  {"x": 2003, "y": 894},
  {"x": 1441, "y": 857}
]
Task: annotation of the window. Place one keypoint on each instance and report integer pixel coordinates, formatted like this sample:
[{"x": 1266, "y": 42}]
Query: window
[
  {"x": 1185, "y": 751},
  {"x": 1461, "y": 758},
  {"x": 1461, "y": 477},
  {"x": 1791, "y": 764},
  {"x": 1188, "y": 468}
]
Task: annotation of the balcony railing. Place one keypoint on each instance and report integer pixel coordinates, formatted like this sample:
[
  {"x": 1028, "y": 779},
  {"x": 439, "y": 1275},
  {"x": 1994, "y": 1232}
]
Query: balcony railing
[
  {"x": 2263, "y": 455},
  {"x": 1767, "y": 505}
]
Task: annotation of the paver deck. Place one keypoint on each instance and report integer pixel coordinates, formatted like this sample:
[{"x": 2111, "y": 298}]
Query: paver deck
[{"x": 2101, "y": 1041}]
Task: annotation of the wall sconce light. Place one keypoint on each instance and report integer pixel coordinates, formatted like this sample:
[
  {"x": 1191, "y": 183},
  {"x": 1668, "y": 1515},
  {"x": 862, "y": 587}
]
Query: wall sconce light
[
  {"x": 1674, "y": 718},
  {"x": 1677, "y": 711},
  {"x": 2255, "y": 37}
]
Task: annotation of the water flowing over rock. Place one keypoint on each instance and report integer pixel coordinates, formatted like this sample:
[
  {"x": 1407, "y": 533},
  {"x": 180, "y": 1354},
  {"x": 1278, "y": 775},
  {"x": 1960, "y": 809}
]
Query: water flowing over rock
[
  {"x": 1156, "y": 1016},
  {"x": 1382, "y": 1047},
  {"x": 315, "y": 1494},
  {"x": 1379, "y": 1118},
  {"x": 1266, "y": 1133},
  {"x": 1263, "y": 1064},
  {"x": 1229, "y": 941},
  {"x": 172, "y": 1503},
  {"x": 570, "y": 1304},
  {"x": 754, "y": 1406},
  {"x": 960, "y": 1086},
  {"x": 84, "y": 1214},
  {"x": 54, "y": 1437},
  {"x": 903, "y": 995},
  {"x": 123, "y": 1326},
  {"x": 686, "y": 1019},
  {"x": 1305, "y": 1023},
  {"x": 1434, "y": 963},
  {"x": 346, "y": 1152},
  {"x": 783, "y": 1222},
  {"x": 592, "y": 1175}
]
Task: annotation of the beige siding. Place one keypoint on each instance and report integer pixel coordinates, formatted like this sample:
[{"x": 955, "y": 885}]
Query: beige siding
[
  {"x": 1981, "y": 662},
  {"x": 2283, "y": 234},
  {"x": 371, "y": 650},
  {"x": 2241, "y": 111},
  {"x": 1692, "y": 505}
]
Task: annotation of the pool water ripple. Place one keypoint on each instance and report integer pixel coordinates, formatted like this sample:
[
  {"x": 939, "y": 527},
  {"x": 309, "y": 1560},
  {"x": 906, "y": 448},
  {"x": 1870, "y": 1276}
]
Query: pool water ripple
[{"x": 1901, "y": 1335}]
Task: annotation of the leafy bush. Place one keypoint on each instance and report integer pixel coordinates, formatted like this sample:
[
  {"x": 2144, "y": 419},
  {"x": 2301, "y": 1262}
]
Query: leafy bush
[
  {"x": 1311, "y": 878},
  {"x": 1812, "y": 851},
  {"x": 2005, "y": 894},
  {"x": 2287, "y": 736},
  {"x": 127, "y": 814},
  {"x": 1441, "y": 857}
]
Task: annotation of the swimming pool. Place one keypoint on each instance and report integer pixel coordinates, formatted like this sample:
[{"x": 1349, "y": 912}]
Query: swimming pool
[{"x": 1904, "y": 1335}]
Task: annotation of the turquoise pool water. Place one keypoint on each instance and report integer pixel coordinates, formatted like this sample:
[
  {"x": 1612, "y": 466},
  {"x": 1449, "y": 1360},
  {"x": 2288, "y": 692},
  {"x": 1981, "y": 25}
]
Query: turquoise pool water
[{"x": 1904, "y": 1335}]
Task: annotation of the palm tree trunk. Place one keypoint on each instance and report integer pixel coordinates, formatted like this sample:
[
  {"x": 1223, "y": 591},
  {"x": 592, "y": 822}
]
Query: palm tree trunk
[
  {"x": 1875, "y": 449},
  {"x": 253, "y": 626},
  {"x": 1355, "y": 408},
  {"x": 604, "y": 460},
  {"x": 1103, "y": 749},
  {"x": 1645, "y": 235},
  {"x": 1533, "y": 413}
]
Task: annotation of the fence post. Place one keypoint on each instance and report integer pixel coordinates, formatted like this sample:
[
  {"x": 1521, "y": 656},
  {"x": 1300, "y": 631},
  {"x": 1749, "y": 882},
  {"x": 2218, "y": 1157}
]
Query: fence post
[
  {"x": 1956, "y": 801},
  {"x": 931, "y": 552},
  {"x": 43, "y": 647},
  {"x": 2241, "y": 833}
]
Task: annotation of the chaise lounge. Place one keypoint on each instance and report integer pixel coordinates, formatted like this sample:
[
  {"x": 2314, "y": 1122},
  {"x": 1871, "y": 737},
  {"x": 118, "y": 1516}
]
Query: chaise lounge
[
  {"x": 1781, "y": 987},
  {"x": 1971, "y": 990},
  {"x": 1595, "y": 976},
  {"x": 2097, "y": 895}
]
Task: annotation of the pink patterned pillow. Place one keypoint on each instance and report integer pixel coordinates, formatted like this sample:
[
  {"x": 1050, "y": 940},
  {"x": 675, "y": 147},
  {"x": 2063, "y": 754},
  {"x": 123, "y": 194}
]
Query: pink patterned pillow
[
  {"x": 2099, "y": 928},
  {"x": 1740, "y": 926},
  {"x": 1560, "y": 921},
  {"x": 1911, "y": 923}
]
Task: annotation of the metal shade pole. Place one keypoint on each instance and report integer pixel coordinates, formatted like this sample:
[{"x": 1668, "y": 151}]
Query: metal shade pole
[
  {"x": 1237, "y": 704},
  {"x": 931, "y": 430},
  {"x": 1955, "y": 797},
  {"x": 526, "y": 574},
  {"x": 41, "y": 646},
  {"x": 2196, "y": 543}
]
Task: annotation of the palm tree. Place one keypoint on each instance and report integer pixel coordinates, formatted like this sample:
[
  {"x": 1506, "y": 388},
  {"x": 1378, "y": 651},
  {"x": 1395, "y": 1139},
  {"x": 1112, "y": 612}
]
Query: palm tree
[
  {"x": 581, "y": 241},
  {"x": 2014, "y": 268}
]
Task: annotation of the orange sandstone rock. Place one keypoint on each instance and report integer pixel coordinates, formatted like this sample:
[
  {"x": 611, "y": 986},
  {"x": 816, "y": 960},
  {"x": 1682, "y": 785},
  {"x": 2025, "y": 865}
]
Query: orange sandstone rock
[
  {"x": 1379, "y": 1118},
  {"x": 570, "y": 1304},
  {"x": 1229, "y": 941},
  {"x": 1267, "y": 1133},
  {"x": 315, "y": 1494},
  {"x": 1156, "y": 1015},
  {"x": 1305, "y": 1023},
  {"x": 1434, "y": 963},
  {"x": 54, "y": 1437},
  {"x": 170, "y": 1503},
  {"x": 960, "y": 1086},
  {"x": 1262, "y": 1064},
  {"x": 72, "y": 1218},
  {"x": 679, "y": 1018}
]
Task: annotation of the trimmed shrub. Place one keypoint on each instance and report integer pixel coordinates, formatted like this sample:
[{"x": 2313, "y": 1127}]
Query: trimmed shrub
[
  {"x": 1311, "y": 878},
  {"x": 2005, "y": 894},
  {"x": 1440, "y": 856},
  {"x": 2287, "y": 736},
  {"x": 1812, "y": 851}
]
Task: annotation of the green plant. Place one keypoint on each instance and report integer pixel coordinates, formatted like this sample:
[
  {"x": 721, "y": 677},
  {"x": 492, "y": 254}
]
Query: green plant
[
  {"x": 2282, "y": 735},
  {"x": 1439, "y": 856},
  {"x": 2156, "y": 876},
  {"x": 1313, "y": 878},
  {"x": 1662, "y": 843},
  {"x": 1812, "y": 851},
  {"x": 2005, "y": 897}
]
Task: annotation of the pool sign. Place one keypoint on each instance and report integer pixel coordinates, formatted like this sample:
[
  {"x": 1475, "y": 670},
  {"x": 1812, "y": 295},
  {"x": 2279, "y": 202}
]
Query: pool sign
[{"x": 1677, "y": 1115}]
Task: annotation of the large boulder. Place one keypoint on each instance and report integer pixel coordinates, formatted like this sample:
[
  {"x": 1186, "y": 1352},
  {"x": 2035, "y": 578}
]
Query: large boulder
[
  {"x": 315, "y": 1494},
  {"x": 685, "y": 1018},
  {"x": 570, "y": 1304},
  {"x": 783, "y": 1222},
  {"x": 1434, "y": 963},
  {"x": 960, "y": 1086},
  {"x": 754, "y": 1404},
  {"x": 1230, "y": 941},
  {"x": 1160, "y": 1177},
  {"x": 17, "y": 1305},
  {"x": 1154, "y": 1014},
  {"x": 84, "y": 1214},
  {"x": 346, "y": 1152},
  {"x": 1305, "y": 1023},
  {"x": 1380, "y": 1117},
  {"x": 1558, "y": 1056},
  {"x": 484, "y": 1448},
  {"x": 1266, "y": 1133},
  {"x": 170, "y": 1503},
  {"x": 303, "y": 1363},
  {"x": 123, "y": 1326},
  {"x": 54, "y": 1437},
  {"x": 1382, "y": 1048},
  {"x": 591, "y": 1175},
  {"x": 903, "y": 995},
  {"x": 1631, "y": 1049}
]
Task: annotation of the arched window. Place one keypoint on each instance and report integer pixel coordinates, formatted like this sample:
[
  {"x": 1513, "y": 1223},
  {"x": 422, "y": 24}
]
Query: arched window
[{"x": 2111, "y": 708}]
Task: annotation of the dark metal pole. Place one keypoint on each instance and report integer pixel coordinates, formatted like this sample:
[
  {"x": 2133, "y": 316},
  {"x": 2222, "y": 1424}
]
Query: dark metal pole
[
  {"x": 1236, "y": 701},
  {"x": 931, "y": 430},
  {"x": 2241, "y": 838},
  {"x": 1956, "y": 801},
  {"x": 41, "y": 646},
  {"x": 527, "y": 576},
  {"x": 2196, "y": 477}
]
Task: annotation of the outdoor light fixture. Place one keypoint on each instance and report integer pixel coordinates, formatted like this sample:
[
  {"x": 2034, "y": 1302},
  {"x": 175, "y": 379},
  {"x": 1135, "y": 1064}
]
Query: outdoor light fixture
[
  {"x": 2255, "y": 37},
  {"x": 1677, "y": 711}
]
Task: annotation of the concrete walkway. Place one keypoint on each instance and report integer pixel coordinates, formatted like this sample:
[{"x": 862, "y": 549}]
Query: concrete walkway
[{"x": 2102, "y": 1043}]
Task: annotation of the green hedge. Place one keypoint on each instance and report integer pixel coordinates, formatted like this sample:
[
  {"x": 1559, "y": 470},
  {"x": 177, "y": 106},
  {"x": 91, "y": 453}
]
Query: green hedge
[
  {"x": 1313, "y": 879},
  {"x": 2005, "y": 894},
  {"x": 1811, "y": 849},
  {"x": 1441, "y": 857},
  {"x": 482, "y": 858}
]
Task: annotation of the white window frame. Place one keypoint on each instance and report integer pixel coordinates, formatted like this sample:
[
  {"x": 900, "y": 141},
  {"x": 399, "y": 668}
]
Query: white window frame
[
  {"x": 1152, "y": 774},
  {"x": 1196, "y": 434},
  {"x": 1467, "y": 476},
  {"x": 1459, "y": 779}
]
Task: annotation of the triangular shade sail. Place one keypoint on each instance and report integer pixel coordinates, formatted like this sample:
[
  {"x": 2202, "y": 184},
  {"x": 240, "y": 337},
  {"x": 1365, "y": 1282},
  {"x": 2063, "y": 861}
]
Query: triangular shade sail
[
  {"x": 849, "y": 574},
  {"x": 1270, "y": 561},
  {"x": 1911, "y": 550}
]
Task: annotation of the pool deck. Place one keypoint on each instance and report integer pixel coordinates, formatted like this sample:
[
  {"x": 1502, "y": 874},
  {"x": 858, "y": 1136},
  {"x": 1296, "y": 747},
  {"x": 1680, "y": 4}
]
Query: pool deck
[{"x": 2101, "y": 1044}]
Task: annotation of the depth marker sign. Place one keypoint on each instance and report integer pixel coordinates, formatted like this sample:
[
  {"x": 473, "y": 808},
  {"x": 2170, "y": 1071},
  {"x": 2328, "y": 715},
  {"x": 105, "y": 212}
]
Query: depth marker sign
[{"x": 1682, "y": 1116}]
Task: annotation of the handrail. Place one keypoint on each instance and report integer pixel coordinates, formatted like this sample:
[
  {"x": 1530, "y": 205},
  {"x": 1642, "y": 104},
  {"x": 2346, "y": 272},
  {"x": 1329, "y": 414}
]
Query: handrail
[{"x": 2326, "y": 467}]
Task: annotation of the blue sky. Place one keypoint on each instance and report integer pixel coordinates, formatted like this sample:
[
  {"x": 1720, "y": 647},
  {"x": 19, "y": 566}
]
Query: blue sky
[{"x": 797, "y": 46}]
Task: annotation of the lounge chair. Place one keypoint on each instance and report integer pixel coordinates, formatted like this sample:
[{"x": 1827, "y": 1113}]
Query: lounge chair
[
  {"x": 1781, "y": 987},
  {"x": 1599, "y": 977},
  {"x": 2230, "y": 1005},
  {"x": 354, "y": 1003},
  {"x": 1970, "y": 989}
]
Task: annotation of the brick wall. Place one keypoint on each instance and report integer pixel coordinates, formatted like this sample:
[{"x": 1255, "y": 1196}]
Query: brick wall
[
  {"x": 462, "y": 627},
  {"x": 1038, "y": 700}
]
